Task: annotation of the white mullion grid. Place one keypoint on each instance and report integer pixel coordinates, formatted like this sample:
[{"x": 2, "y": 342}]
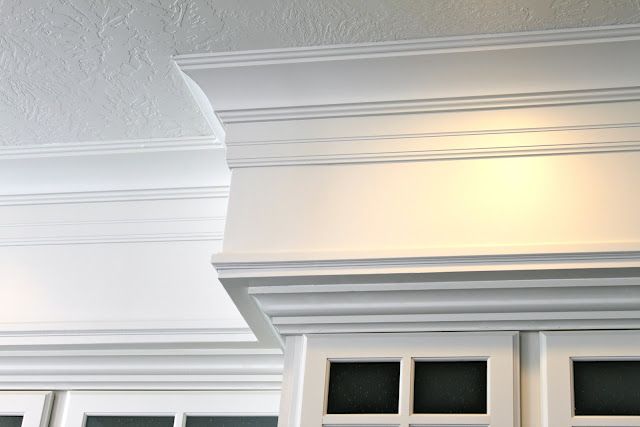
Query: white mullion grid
[
  {"x": 406, "y": 348},
  {"x": 406, "y": 388},
  {"x": 179, "y": 420},
  {"x": 559, "y": 350}
]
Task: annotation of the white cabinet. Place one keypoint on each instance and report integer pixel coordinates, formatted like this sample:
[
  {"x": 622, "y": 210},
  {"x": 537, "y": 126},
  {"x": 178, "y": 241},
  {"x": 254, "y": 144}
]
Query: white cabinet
[
  {"x": 310, "y": 404},
  {"x": 177, "y": 405},
  {"x": 32, "y": 406},
  {"x": 571, "y": 398}
]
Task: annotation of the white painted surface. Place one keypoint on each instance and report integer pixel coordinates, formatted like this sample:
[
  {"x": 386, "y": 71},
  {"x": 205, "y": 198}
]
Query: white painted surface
[
  {"x": 558, "y": 349},
  {"x": 33, "y": 406},
  {"x": 575, "y": 203},
  {"x": 79, "y": 405},
  {"x": 499, "y": 349},
  {"x": 118, "y": 366}
]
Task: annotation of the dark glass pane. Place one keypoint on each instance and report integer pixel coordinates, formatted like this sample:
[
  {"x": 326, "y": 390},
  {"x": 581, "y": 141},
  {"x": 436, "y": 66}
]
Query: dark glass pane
[
  {"x": 606, "y": 387},
  {"x": 232, "y": 421},
  {"x": 128, "y": 421},
  {"x": 450, "y": 388},
  {"x": 10, "y": 420},
  {"x": 363, "y": 388}
]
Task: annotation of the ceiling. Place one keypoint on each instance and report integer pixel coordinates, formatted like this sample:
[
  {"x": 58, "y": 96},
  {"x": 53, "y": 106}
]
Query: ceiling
[{"x": 98, "y": 70}]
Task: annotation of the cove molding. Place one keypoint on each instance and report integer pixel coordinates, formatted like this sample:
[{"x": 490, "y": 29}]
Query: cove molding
[{"x": 520, "y": 94}]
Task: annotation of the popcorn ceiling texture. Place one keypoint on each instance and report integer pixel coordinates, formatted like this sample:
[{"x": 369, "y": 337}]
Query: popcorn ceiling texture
[{"x": 91, "y": 70}]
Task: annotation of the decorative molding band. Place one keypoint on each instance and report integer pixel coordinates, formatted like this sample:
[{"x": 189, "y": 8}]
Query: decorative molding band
[
  {"x": 236, "y": 369},
  {"x": 410, "y": 47},
  {"x": 113, "y": 231},
  {"x": 112, "y": 147},
  {"x": 585, "y": 303},
  {"x": 116, "y": 196},
  {"x": 336, "y": 266},
  {"x": 99, "y": 336},
  {"x": 104, "y": 239},
  {"x": 436, "y": 154},
  {"x": 472, "y": 103}
]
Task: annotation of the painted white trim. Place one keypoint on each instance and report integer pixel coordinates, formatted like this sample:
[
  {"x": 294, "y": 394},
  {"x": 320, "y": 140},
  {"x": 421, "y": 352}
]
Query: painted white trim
[
  {"x": 437, "y": 146},
  {"x": 449, "y": 306},
  {"x": 171, "y": 366},
  {"x": 231, "y": 265},
  {"x": 220, "y": 191},
  {"x": 146, "y": 145},
  {"x": 108, "y": 369},
  {"x": 112, "y": 231},
  {"x": 557, "y": 351},
  {"x": 92, "y": 335},
  {"x": 81, "y": 404},
  {"x": 509, "y": 292},
  {"x": 500, "y": 349},
  {"x": 409, "y": 47},
  {"x": 473, "y": 103},
  {"x": 33, "y": 406}
]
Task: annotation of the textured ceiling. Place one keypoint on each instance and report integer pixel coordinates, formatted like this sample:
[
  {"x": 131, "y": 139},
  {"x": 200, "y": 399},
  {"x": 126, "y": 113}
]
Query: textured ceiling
[{"x": 88, "y": 70}]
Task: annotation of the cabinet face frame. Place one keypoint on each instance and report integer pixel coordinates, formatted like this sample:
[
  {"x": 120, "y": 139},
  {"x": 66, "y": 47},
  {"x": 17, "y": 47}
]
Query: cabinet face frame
[
  {"x": 33, "y": 406},
  {"x": 558, "y": 351},
  {"x": 500, "y": 349},
  {"x": 178, "y": 404}
]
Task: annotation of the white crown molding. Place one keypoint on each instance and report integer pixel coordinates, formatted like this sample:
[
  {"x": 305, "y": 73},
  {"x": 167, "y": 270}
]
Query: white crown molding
[
  {"x": 231, "y": 369},
  {"x": 112, "y": 231},
  {"x": 337, "y": 293},
  {"x": 179, "y": 334},
  {"x": 454, "y": 306},
  {"x": 233, "y": 266},
  {"x": 438, "y": 146},
  {"x": 518, "y": 94},
  {"x": 178, "y": 193},
  {"x": 409, "y": 47},
  {"x": 490, "y": 102},
  {"x": 111, "y": 147}
]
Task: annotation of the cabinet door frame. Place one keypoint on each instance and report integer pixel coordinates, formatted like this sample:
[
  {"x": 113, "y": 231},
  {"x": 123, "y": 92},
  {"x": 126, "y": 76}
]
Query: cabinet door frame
[
  {"x": 33, "y": 406},
  {"x": 558, "y": 351},
  {"x": 178, "y": 404},
  {"x": 500, "y": 349}
]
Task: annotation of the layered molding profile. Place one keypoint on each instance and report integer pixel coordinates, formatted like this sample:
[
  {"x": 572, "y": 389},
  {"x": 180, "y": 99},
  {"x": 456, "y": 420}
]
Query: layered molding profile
[
  {"x": 113, "y": 369},
  {"x": 527, "y": 291},
  {"x": 475, "y": 301},
  {"x": 409, "y": 47},
  {"x": 233, "y": 266},
  {"x": 479, "y": 96},
  {"x": 139, "y": 230},
  {"x": 443, "y": 146},
  {"x": 96, "y": 336},
  {"x": 111, "y": 147},
  {"x": 472, "y": 103},
  {"x": 177, "y": 193}
]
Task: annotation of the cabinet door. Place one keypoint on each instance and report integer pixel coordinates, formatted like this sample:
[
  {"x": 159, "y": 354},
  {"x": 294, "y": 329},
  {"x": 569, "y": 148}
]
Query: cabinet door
[
  {"x": 591, "y": 378},
  {"x": 171, "y": 409},
  {"x": 431, "y": 379},
  {"x": 25, "y": 408}
]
